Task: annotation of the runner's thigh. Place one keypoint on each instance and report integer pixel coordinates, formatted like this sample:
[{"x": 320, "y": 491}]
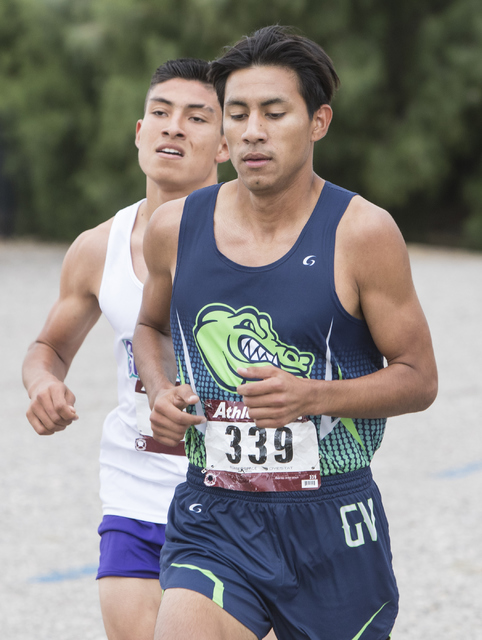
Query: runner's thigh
[
  {"x": 188, "y": 615},
  {"x": 129, "y": 607}
]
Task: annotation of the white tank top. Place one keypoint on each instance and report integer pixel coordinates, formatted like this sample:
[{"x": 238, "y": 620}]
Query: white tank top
[{"x": 135, "y": 482}]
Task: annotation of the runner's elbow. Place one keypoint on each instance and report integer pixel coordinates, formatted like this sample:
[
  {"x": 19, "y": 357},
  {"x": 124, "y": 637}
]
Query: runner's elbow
[{"x": 427, "y": 392}]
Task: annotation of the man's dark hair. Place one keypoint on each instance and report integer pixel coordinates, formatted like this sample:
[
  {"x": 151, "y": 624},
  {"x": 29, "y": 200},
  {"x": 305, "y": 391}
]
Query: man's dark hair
[
  {"x": 280, "y": 46},
  {"x": 184, "y": 68}
]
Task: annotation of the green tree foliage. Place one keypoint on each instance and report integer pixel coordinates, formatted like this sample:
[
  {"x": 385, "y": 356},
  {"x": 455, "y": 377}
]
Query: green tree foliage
[{"x": 407, "y": 131}]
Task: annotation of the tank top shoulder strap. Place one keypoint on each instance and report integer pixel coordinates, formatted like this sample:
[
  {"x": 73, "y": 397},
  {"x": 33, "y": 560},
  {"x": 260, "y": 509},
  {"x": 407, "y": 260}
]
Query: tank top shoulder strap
[
  {"x": 197, "y": 219},
  {"x": 118, "y": 247},
  {"x": 329, "y": 210},
  {"x": 122, "y": 224}
]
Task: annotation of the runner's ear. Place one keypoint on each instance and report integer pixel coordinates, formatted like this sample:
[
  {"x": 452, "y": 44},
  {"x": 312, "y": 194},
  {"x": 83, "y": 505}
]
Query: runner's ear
[
  {"x": 138, "y": 128},
  {"x": 321, "y": 122},
  {"x": 223, "y": 151}
]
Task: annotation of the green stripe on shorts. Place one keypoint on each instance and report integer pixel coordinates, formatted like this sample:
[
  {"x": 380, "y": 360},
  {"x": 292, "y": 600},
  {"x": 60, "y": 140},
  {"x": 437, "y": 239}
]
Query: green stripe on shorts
[{"x": 218, "y": 588}]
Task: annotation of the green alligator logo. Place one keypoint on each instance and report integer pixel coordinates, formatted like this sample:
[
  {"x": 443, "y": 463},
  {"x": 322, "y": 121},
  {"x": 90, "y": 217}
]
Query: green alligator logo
[{"x": 228, "y": 339}]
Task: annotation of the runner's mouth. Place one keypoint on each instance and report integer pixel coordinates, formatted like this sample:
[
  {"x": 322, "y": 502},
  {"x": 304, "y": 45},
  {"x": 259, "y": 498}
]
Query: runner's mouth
[
  {"x": 254, "y": 160},
  {"x": 170, "y": 151}
]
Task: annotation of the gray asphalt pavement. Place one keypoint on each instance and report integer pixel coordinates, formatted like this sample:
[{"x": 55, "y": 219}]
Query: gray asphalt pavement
[{"x": 429, "y": 467}]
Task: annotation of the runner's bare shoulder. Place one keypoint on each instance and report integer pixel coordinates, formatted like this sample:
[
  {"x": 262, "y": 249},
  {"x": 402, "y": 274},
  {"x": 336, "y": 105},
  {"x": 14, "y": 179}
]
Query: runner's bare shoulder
[
  {"x": 369, "y": 236},
  {"x": 161, "y": 237},
  {"x": 84, "y": 262},
  {"x": 364, "y": 221}
]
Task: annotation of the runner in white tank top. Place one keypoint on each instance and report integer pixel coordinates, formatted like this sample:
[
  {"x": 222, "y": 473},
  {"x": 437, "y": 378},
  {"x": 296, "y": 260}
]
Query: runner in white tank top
[
  {"x": 180, "y": 145},
  {"x": 136, "y": 482}
]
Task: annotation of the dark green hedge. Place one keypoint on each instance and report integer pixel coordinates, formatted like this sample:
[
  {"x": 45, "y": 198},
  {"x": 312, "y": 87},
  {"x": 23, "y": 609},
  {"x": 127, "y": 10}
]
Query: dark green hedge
[{"x": 407, "y": 132}]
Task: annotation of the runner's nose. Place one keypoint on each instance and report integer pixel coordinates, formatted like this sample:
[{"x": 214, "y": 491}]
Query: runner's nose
[
  {"x": 173, "y": 127},
  {"x": 254, "y": 131}
]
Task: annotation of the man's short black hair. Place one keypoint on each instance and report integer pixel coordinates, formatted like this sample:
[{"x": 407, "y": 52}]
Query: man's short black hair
[
  {"x": 282, "y": 47},
  {"x": 184, "y": 68}
]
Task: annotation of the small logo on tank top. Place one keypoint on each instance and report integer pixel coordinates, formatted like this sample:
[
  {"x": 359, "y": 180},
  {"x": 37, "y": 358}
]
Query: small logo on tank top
[
  {"x": 309, "y": 261},
  {"x": 131, "y": 365}
]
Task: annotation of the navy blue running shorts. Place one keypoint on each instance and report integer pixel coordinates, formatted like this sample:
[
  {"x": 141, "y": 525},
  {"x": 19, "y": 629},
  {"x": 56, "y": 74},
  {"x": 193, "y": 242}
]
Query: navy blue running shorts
[
  {"x": 315, "y": 565},
  {"x": 130, "y": 548}
]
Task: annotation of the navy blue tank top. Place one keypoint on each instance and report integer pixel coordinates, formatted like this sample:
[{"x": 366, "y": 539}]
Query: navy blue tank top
[{"x": 225, "y": 315}]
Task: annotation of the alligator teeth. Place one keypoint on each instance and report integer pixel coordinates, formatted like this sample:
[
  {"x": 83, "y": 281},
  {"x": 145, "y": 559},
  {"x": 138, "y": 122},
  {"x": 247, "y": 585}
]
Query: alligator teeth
[
  {"x": 262, "y": 355},
  {"x": 256, "y": 353},
  {"x": 252, "y": 348}
]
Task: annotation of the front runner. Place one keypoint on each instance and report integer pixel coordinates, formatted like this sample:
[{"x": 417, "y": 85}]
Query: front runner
[{"x": 286, "y": 292}]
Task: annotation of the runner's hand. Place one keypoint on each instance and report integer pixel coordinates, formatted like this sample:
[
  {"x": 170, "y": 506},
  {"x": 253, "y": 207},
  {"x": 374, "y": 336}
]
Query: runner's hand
[
  {"x": 51, "y": 407},
  {"x": 275, "y": 398},
  {"x": 168, "y": 420}
]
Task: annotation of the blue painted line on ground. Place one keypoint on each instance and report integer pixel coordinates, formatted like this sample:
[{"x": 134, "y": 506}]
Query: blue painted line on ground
[
  {"x": 69, "y": 574},
  {"x": 461, "y": 472}
]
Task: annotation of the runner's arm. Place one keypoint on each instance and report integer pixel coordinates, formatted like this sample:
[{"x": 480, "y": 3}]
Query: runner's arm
[
  {"x": 71, "y": 318},
  {"x": 383, "y": 285},
  {"x": 153, "y": 349}
]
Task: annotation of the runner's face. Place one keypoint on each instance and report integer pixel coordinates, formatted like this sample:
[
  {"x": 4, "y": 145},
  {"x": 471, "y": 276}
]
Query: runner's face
[
  {"x": 268, "y": 130},
  {"x": 179, "y": 138}
]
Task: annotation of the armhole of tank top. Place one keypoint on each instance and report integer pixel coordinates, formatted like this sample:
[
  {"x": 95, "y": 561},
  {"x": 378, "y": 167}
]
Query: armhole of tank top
[
  {"x": 189, "y": 202},
  {"x": 104, "y": 269},
  {"x": 331, "y": 269},
  {"x": 114, "y": 229},
  {"x": 180, "y": 240}
]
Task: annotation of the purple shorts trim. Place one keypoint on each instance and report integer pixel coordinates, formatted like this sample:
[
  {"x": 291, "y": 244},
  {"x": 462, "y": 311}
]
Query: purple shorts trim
[{"x": 130, "y": 548}]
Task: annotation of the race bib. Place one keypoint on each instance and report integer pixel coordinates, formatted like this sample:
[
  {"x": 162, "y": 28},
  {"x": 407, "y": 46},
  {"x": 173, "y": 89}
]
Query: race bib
[
  {"x": 143, "y": 410},
  {"x": 243, "y": 457},
  {"x": 145, "y": 441}
]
